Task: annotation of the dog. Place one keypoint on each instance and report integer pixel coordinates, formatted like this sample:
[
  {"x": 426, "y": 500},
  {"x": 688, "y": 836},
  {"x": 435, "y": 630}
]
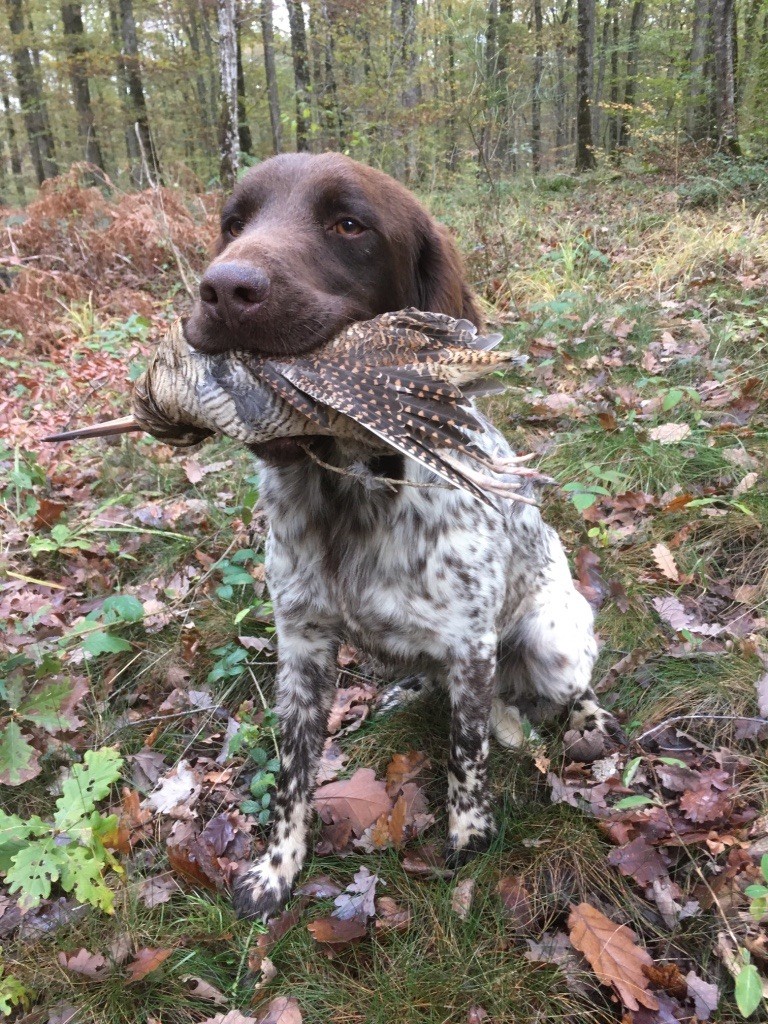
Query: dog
[{"x": 477, "y": 599}]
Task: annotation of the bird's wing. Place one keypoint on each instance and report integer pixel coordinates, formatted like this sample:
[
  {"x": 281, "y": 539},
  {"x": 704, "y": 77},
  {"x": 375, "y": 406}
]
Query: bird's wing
[
  {"x": 407, "y": 336},
  {"x": 406, "y": 408}
]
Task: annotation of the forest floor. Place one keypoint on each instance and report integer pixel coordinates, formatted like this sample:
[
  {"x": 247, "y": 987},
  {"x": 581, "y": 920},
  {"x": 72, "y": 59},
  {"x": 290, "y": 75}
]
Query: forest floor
[{"x": 137, "y": 642}]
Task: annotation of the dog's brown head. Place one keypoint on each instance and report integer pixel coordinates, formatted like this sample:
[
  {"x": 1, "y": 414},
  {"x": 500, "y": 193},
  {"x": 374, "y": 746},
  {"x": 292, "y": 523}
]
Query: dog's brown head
[{"x": 311, "y": 243}]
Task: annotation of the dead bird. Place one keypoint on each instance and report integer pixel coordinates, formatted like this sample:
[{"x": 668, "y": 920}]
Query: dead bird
[{"x": 401, "y": 381}]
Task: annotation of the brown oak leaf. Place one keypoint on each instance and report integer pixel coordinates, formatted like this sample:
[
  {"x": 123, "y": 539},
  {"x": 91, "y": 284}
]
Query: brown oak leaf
[
  {"x": 282, "y": 1010},
  {"x": 639, "y": 860},
  {"x": 146, "y": 961},
  {"x": 360, "y": 800},
  {"x": 613, "y": 954},
  {"x": 89, "y": 965}
]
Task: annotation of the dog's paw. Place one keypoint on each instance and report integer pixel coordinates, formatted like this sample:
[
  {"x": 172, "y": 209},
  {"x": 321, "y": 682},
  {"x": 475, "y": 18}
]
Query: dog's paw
[
  {"x": 458, "y": 856},
  {"x": 261, "y": 891},
  {"x": 470, "y": 831},
  {"x": 402, "y": 694}
]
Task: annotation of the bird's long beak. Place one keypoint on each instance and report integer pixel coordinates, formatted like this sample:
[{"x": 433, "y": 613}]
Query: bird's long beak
[{"x": 123, "y": 425}]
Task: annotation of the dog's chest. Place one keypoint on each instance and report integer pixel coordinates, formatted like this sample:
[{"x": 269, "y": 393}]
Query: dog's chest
[{"x": 418, "y": 571}]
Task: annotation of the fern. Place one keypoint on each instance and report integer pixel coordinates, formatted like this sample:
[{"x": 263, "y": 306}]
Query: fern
[{"x": 72, "y": 848}]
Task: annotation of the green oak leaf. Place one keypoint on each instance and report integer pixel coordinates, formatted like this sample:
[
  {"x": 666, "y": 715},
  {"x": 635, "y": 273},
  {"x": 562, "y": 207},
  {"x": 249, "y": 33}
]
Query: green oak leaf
[
  {"x": 83, "y": 873},
  {"x": 44, "y": 706},
  {"x": 34, "y": 869},
  {"x": 19, "y": 761},
  {"x": 87, "y": 783}
]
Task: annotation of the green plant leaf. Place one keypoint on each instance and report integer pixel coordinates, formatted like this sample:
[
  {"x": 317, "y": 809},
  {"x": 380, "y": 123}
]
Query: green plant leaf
[
  {"x": 122, "y": 608},
  {"x": 83, "y": 872},
  {"x": 44, "y": 706},
  {"x": 749, "y": 990},
  {"x": 33, "y": 871},
  {"x": 12, "y": 992},
  {"x": 104, "y": 643},
  {"x": 19, "y": 761},
  {"x": 634, "y": 801},
  {"x": 14, "y": 832},
  {"x": 630, "y": 771},
  {"x": 87, "y": 783}
]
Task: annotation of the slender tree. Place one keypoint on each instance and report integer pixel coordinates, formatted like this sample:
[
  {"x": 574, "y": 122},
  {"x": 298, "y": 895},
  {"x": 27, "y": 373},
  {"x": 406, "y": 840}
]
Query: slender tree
[
  {"x": 615, "y": 120},
  {"x": 585, "y": 149},
  {"x": 74, "y": 38},
  {"x": 633, "y": 45},
  {"x": 13, "y": 148},
  {"x": 243, "y": 128},
  {"x": 538, "y": 68},
  {"x": 150, "y": 163},
  {"x": 273, "y": 98},
  {"x": 300, "y": 73},
  {"x": 452, "y": 143},
  {"x": 561, "y": 98},
  {"x": 725, "y": 76},
  {"x": 229, "y": 138},
  {"x": 41, "y": 145}
]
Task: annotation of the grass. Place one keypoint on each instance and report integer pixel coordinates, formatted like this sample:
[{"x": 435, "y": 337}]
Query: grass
[{"x": 549, "y": 260}]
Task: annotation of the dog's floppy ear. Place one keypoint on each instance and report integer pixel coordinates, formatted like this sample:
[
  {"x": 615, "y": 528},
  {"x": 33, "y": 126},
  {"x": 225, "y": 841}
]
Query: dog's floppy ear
[{"x": 440, "y": 278}]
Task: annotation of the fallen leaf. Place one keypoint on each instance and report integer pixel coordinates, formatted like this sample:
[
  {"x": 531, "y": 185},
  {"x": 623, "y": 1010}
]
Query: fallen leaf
[
  {"x": 476, "y": 1015},
  {"x": 154, "y": 891},
  {"x": 391, "y": 917},
  {"x": 332, "y": 761},
  {"x": 89, "y": 965},
  {"x": 146, "y": 961},
  {"x": 762, "y": 695},
  {"x": 705, "y": 996},
  {"x": 461, "y": 898},
  {"x": 330, "y": 931},
  {"x": 233, "y": 1017},
  {"x": 403, "y": 768},
  {"x": 745, "y": 484},
  {"x": 322, "y": 888},
  {"x": 360, "y": 800},
  {"x": 282, "y": 1010},
  {"x": 666, "y": 562},
  {"x": 177, "y": 793},
  {"x": 516, "y": 902},
  {"x": 670, "y": 433},
  {"x": 613, "y": 954},
  {"x": 200, "y": 989},
  {"x": 357, "y": 900},
  {"x": 639, "y": 860}
]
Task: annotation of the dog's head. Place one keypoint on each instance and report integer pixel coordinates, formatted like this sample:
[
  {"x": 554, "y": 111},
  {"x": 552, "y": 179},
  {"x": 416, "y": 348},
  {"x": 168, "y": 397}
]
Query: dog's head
[{"x": 311, "y": 243}]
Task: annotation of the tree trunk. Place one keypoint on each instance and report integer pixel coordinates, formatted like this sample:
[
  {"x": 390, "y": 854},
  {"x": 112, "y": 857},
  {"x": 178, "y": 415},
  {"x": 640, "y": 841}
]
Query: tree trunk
[
  {"x": 300, "y": 74},
  {"x": 229, "y": 139},
  {"x": 538, "y": 68},
  {"x": 725, "y": 94},
  {"x": 335, "y": 118},
  {"x": 243, "y": 129},
  {"x": 597, "y": 99},
  {"x": 561, "y": 102},
  {"x": 410, "y": 95},
  {"x": 638, "y": 13},
  {"x": 13, "y": 149},
  {"x": 615, "y": 120},
  {"x": 150, "y": 164},
  {"x": 697, "y": 120},
  {"x": 131, "y": 142},
  {"x": 585, "y": 150},
  {"x": 452, "y": 147},
  {"x": 192, "y": 29},
  {"x": 41, "y": 144},
  {"x": 72, "y": 17},
  {"x": 268, "y": 41}
]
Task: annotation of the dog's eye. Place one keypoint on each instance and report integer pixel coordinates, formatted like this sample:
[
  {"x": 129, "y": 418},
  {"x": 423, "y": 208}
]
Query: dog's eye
[
  {"x": 348, "y": 226},
  {"x": 234, "y": 228}
]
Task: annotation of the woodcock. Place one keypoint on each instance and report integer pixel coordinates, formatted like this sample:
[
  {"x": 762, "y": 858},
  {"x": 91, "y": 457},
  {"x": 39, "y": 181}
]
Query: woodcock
[{"x": 401, "y": 381}]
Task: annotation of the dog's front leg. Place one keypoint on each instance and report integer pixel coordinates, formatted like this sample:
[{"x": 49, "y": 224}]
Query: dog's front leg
[
  {"x": 471, "y": 825},
  {"x": 305, "y": 683}
]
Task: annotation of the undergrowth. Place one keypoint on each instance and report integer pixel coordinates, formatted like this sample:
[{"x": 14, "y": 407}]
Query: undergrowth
[{"x": 639, "y": 306}]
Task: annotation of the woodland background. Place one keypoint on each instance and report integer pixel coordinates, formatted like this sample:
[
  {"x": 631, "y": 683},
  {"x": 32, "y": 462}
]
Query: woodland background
[
  {"x": 153, "y": 91},
  {"x": 603, "y": 169}
]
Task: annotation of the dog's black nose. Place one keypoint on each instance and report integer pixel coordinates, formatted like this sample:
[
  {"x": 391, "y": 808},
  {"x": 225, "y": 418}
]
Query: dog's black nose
[{"x": 233, "y": 291}]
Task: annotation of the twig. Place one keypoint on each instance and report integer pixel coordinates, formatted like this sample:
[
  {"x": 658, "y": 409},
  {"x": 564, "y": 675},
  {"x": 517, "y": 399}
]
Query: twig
[
  {"x": 392, "y": 482},
  {"x": 703, "y": 718}
]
